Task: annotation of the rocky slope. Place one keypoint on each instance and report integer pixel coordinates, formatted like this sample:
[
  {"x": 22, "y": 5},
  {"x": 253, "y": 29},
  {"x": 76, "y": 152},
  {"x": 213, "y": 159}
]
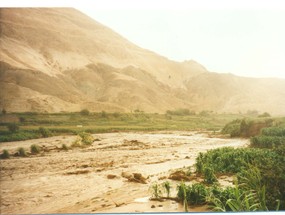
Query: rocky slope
[{"x": 58, "y": 59}]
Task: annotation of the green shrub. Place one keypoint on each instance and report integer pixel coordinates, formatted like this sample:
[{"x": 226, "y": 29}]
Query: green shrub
[
  {"x": 86, "y": 138},
  {"x": 13, "y": 127},
  {"x": 249, "y": 128},
  {"x": 182, "y": 195},
  {"x": 209, "y": 176},
  {"x": 232, "y": 128},
  {"x": 22, "y": 119},
  {"x": 64, "y": 147},
  {"x": 116, "y": 114},
  {"x": 243, "y": 201},
  {"x": 156, "y": 192},
  {"x": 199, "y": 162},
  {"x": 35, "y": 149},
  {"x": 196, "y": 194},
  {"x": 235, "y": 199},
  {"x": 250, "y": 179},
  {"x": 217, "y": 198},
  {"x": 270, "y": 164},
  {"x": 62, "y": 131},
  {"x": 267, "y": 141},
  {"x": 180, "y": 112},
  {"x": 246, "y": 127},
  {"x": 77, "y": 142},
  {"x": 273, "y": 131},
  {"x": 45, "y": 132},
  {"x": 104, "y": 114},
  {"x": 85, "y": 112},
  {"x": 20, "y": 135},
  {"x": 5, "y": 154},
  {"x": 21, "y": 152},
  {"x": 83, "y": 139}
]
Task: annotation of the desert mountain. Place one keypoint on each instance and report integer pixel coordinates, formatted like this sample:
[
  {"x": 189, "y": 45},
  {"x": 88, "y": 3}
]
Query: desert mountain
[{"x": 58, "y": 59}]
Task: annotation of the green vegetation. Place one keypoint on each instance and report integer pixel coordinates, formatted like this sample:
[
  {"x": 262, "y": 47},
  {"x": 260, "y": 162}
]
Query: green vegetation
[
  {"x": 274, "y": 131},
  {"x": 5, "y": 154},
  {"x": 268, "y": 166},
  {"x": 272, "y": 137},
  {"x": 77, "y": 142},
  {"x": 258, "y": 185},
  {"x": 209, "y": 175},
  {"x": 181, "y": 112},
  {"x": 44, "y": 132},
  {"x": 247, "y": 195},
  {"x": 232, "y": 128},
  {"x": 83, "y": 139},
  {"x": 230, "y": 160},
  {"x": 167, "y": 187},
  {"x": 259, "y": 171},
  {"x": 217, "y": 197},
  {"x": 38, "y": 125},
  {"x": 195, "y": 194},
  {"x": 156, "y": 192},
  {"x": 247, "y": 127},
  {"x": 86, "y": 138},
  {"x": 4, "y": 111},
  {"x": 267, "y": 141},
  {"x": 13, "y": 127},
  {"x": 64, "y": 147},
  {"x": 20, "y": 135},
  {"x": 85, "y": 112},
  {"x": 35, "y": 149},
  {"x": 235, "y": 199},
  {"x": 21, "y": 152},
  {"x": 182, "y": 190}
]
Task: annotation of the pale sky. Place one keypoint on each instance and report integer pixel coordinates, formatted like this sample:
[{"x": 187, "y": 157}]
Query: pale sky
[{"x": 245, "y": 37}]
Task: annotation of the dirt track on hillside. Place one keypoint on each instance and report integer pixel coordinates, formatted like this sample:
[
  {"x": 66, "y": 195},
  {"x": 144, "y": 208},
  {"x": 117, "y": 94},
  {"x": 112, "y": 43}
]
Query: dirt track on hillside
[{"x": 89, "y": 180}]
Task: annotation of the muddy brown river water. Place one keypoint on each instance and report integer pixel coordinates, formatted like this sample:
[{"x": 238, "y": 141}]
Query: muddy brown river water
[{"x": 89, "y": 180}]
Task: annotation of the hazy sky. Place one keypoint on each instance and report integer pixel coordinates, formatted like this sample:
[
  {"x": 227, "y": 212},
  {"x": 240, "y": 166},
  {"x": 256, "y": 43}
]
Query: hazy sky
[{"x": 246, "y": 38}]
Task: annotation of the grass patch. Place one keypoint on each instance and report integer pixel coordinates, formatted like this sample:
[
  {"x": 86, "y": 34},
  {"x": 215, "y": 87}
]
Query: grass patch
[
  {"x": 86, "y": 138},
  {"x": 20, "y": 135},
  {"x": 38, "y": 125},
  {"x": 35, "y": 149},
  {"x": 44, "y": 132},
  {"x": 5, "y": 154},
  {"x": 22, "y": 152},
  {"x": 77, "y": 143}
]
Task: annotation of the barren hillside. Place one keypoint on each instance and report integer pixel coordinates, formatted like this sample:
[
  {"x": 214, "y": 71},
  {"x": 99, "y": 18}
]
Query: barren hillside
[{"x": 58, "y": 59}]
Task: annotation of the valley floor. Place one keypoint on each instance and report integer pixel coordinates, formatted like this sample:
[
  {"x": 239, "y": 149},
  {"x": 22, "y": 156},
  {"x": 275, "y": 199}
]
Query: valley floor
[{"x": 89, "y": 180}]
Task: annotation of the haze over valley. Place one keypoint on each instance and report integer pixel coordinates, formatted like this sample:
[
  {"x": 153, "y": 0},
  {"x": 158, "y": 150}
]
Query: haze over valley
[{"x": 58, "y": 59}]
